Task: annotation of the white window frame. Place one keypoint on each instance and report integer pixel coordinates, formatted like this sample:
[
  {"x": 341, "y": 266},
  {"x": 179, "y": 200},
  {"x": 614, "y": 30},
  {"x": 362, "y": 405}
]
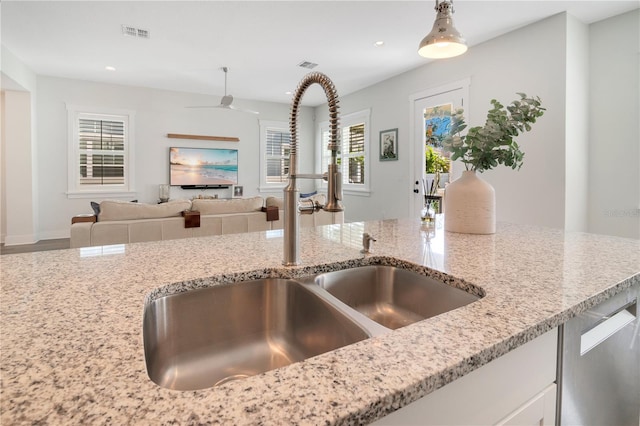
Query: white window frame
[
  {"x": 347, "y": 120},
  {"x": 75, "y": 190},
  {"x": 266, "y": 125}
]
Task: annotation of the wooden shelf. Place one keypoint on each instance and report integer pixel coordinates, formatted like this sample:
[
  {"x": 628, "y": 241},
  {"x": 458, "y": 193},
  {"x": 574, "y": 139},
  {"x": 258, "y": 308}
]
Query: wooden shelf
[{"x": 203, "y": 138}]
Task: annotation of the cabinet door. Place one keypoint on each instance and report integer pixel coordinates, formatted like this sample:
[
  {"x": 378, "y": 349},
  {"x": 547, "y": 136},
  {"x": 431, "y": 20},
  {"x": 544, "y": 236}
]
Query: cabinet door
[
  {"x": 491, "y": 393},
  {"x": 538, "y": 411}
]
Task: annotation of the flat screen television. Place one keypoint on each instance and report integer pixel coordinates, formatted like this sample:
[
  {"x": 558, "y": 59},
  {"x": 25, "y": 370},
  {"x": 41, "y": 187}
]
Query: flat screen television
[{"x": 203, "y": 167}]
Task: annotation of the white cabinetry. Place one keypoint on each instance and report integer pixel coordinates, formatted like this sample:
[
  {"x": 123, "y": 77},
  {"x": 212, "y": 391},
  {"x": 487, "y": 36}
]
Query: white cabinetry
[
  {"x": 539, "y": 410},
  {"x": 515, "y": 389}
]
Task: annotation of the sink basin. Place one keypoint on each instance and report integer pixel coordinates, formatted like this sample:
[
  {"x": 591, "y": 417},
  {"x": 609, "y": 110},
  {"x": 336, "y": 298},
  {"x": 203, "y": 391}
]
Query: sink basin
[
  {"x": 206, "y": 337},
  {"x": 391, "y": 296}
]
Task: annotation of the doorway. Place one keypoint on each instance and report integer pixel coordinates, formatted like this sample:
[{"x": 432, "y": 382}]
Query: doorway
[{"x": 430, "y": 119}]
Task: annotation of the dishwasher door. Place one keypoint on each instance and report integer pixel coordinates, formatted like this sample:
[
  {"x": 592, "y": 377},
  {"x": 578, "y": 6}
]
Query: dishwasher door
[{"x": 599, "y": 378}]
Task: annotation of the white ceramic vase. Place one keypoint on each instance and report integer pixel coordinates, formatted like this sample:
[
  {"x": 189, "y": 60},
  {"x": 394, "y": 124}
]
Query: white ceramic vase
[{"x": 470, "y": 205}]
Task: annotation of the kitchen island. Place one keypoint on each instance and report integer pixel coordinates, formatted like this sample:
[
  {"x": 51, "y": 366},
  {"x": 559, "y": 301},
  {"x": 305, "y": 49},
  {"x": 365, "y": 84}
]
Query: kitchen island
[{"x": 72, "y": 346}]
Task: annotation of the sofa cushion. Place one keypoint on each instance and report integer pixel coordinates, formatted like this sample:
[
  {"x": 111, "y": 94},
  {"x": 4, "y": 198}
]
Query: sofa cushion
[
  {"x": 122, "y": 210},
  {"x": 235, "y": 205},
  {"x": 96, "y": 207}
]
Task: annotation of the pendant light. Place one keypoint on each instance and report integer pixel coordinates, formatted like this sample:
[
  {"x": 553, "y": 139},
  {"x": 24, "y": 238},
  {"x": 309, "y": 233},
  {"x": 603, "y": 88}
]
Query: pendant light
[{"x": 444, "y": 40}]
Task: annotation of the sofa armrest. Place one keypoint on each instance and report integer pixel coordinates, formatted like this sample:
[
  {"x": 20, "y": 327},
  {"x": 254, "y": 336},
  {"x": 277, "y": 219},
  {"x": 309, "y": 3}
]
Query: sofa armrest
[
  {"x": 91, "y": 218},
  {"x": 272, "y": 213},
  {"x": 81, "y": 234}
]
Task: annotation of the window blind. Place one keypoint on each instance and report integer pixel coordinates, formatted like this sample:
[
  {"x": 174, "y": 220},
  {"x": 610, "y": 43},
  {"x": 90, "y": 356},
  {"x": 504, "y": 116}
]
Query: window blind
[
  {"x": 353, "y": 143},
  {"x": 278, "y": 148},
  {"x": 353, "y": 159},
  {"x": 101, "y": 145}
]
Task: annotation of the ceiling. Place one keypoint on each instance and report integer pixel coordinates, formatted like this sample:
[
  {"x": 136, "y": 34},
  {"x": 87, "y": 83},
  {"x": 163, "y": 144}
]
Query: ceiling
[{"x": 261, "y": 42}]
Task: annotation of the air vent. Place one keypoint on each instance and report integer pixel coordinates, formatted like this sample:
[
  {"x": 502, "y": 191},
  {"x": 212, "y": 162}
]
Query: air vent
[
  {"x": 307, "y": 65},
  {"x": 130, "y": 31}
]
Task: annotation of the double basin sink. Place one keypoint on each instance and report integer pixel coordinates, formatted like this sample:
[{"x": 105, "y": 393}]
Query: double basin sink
[{"x": 206, "y": 337}]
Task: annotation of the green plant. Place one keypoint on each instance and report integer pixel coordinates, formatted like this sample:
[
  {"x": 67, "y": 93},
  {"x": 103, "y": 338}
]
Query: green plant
[
  {"x": 484, "y": 147},
  {"x": 435, "y": 162}
]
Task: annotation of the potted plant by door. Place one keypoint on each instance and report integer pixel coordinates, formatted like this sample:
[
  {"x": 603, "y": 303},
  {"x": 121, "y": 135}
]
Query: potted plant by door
[
  {"x": 470, "y": 201},
  {"x": 436, "y": 163},
  {"x": 435, "y": 178}
]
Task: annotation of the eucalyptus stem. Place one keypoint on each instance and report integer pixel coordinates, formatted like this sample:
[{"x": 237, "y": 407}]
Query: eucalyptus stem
[{"x": 484, "y": 147}]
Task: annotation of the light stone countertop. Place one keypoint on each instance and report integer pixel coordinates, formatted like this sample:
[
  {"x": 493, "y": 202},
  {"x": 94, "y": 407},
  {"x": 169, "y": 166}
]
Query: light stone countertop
[{"x": 71, "y": 321}]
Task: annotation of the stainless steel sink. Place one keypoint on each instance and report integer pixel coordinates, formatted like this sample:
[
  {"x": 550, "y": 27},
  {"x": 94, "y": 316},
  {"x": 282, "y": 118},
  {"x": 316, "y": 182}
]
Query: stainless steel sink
[
  {"x": 391, "y": 296},
  {"x": 206, "y": 337}
]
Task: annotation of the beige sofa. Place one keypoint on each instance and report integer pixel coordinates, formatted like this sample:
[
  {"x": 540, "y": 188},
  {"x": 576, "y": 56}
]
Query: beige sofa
[{"x": 124, "y": 222}]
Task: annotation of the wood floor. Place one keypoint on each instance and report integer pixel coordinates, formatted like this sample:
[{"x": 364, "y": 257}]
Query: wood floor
[{"x": 44, "y": 245}]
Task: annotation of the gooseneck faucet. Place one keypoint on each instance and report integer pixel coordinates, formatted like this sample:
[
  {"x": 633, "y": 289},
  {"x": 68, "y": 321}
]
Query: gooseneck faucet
[{"x": 332, "y": 176}]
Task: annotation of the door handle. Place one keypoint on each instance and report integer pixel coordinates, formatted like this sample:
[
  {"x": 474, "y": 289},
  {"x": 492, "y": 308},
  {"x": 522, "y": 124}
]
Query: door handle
[{"x": 607, "y": 327}]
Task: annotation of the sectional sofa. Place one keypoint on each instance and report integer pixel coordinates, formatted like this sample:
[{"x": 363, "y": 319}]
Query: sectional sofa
[{"x": 118, "y": 222}]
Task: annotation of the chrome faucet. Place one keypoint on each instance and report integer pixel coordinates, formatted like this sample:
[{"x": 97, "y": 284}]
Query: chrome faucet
[{"x": 332, "y": 176}]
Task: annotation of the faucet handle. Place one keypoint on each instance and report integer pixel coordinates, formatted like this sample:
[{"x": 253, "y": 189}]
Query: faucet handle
[
  {"x": 338, "y": 190},
  {"x": 334, "y": 189},
  {"x": 309, "y": 206},
  {"x": 366, "y": 243}
]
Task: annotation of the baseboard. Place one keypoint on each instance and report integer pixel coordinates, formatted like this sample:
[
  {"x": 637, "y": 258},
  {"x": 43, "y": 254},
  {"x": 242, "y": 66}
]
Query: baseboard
[
  {"x": 55, "y": 235},
  {"x": 17, "y": 240}
]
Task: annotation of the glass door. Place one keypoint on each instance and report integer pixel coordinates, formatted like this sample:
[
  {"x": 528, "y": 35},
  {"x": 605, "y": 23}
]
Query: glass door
[{"x": 431, "y": 120}]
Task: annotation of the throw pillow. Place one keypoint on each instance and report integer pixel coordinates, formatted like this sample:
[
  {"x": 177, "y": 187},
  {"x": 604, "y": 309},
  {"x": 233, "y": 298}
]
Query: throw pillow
[{"x": 96, "y": 208}]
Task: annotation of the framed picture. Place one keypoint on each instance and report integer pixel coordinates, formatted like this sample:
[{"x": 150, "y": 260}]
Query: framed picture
[
  {"x": 237, "y": 191},
  {"x": 389, "y": 145}
]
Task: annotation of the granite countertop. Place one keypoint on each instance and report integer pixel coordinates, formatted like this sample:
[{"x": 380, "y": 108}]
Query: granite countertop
[{"x": 72, "y": 347}]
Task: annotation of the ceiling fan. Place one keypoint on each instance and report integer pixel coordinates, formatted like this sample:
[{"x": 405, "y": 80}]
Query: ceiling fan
[{"x": 226, "y": 100}]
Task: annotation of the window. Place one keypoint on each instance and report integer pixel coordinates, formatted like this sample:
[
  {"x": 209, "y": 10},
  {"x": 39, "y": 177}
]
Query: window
[
  {"x": 100, "y": 147},
  {"x": 275, "y": 147},
  {"x": 353, "y": 153}
]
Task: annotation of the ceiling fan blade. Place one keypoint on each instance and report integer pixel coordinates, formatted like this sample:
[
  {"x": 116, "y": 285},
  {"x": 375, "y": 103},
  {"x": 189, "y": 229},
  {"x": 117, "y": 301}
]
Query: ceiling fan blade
[
  {"x": 224, "y": 107},
  {"x": 242, "y": 109},
  {"x": 226, "y": 100}
]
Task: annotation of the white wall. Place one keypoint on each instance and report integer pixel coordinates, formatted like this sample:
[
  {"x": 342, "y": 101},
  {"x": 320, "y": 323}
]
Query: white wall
[
  {"x": 614, "y": 155},
  {"x": 18, "y": 162},
  {"x": 157, "y": 113},
  {"x": 18, "y": 213},
  {"x": 20, "y": 75},
  {"x": 577, "y": 126},
  {"x": 3, "y": 172},
  {"x": 530, "y": 60},
  {"x": 544, "y": 59}
]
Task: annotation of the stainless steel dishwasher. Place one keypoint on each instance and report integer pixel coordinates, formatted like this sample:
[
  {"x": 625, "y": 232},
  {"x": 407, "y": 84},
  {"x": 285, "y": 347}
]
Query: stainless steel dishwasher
[{"x": 599, "y": 364}]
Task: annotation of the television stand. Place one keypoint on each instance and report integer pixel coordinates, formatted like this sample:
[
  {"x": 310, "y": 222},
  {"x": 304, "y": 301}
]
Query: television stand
[{"x": 203, "y": 186}]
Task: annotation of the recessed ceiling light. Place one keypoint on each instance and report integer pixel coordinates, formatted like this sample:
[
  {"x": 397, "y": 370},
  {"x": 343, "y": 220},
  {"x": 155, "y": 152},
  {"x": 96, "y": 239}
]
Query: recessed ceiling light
[
  {"x": 379, "y": 43},
  {"x": 110, "y": 68},
  {"x": 288, "y": 93}
]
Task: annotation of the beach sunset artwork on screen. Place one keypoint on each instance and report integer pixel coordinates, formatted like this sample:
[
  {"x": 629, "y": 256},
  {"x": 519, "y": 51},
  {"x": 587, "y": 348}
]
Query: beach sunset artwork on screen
[{"x": 203, "y": 166}]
